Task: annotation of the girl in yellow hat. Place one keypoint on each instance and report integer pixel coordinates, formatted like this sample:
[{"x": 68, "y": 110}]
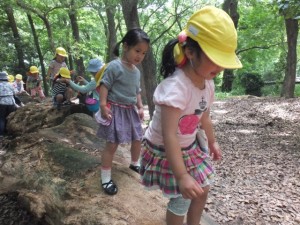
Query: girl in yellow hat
[
  {"x": 61, "y": 91},
  {"x": 57, "y": 63},
  {"x": 19, "y": 85},
  {"x": 172, "y": 159},
  {"x": 34, "y": 83}
]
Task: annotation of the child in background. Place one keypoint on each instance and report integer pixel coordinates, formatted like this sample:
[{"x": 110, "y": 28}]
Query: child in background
[
  {"x": 172, "y": 159},
  {"x": 34, "y": 83},
  {"x": 121, "y": 105},
  {"x": 57, "y": 63},
  {"x": 87, "y": 86},
  {"x": 19, "y": 85},
  {"x": 61, "y": 91},
  {"x": 7, "y": 102},
  {"x": 18, "y": 102}
]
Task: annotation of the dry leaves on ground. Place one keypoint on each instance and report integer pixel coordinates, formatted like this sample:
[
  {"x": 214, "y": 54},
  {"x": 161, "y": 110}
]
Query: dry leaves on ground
[{"x": 258, "y": 180}]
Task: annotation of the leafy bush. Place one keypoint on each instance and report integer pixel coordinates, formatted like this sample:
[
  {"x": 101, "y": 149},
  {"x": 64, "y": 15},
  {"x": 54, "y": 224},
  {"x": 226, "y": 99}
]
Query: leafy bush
[{"x": 253, "y": 83}]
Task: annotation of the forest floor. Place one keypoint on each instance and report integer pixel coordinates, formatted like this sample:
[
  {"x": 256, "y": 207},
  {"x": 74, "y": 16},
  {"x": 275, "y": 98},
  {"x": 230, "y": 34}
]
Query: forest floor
[{"x": 258, "y": 179}]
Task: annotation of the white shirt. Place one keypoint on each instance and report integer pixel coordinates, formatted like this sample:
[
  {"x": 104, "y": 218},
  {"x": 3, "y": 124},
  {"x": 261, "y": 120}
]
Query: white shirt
[{"x": 178, "y": 91}]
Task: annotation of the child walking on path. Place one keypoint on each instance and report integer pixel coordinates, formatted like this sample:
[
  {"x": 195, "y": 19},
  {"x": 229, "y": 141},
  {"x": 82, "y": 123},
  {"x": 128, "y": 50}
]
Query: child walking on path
[
  {"x": 171, "y": 158},
  {"x": 34, "y": 83},
  {"x": 121, "y": 105}
]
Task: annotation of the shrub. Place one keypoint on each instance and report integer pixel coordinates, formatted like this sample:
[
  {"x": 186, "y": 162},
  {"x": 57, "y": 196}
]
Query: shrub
[{"x": 253, "y": 83}]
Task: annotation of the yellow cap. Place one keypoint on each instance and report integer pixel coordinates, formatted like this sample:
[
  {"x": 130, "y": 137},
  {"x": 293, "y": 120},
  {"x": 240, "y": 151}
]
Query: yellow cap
[
  {"x": 214, "y": 31},
  {"x": 10, "y": 78},
  {"x": 64, "y": 72},
  {"x": 33, "y": 69},
  {"x": 61, "y": 51},
  {"x": 19, "y": 77}
]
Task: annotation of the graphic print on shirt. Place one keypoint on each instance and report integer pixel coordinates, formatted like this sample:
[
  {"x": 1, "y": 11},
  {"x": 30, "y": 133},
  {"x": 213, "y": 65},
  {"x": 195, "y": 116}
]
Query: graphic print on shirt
[{"x": 188, "y": 123}]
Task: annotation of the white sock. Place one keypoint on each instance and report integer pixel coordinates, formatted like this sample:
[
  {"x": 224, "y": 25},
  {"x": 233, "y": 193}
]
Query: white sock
[
  {"x": 105, "y": 175},
  {"x": 135, "y": 163}
]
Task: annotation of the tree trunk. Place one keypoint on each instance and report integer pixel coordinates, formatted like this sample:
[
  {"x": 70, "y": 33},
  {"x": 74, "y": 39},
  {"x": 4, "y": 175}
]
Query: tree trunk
[
  {"x": 43, "y": 18},
  {"x": 21, "y": 68},
  {"x": 110, "y": 30},
  {"x": 230, "y": 6},
  {"x": 288, "y": 86},
  {"x": 41, "y": 58},
  {"x": 148, "y": 70},
  {"x": 75, "y": 32}
]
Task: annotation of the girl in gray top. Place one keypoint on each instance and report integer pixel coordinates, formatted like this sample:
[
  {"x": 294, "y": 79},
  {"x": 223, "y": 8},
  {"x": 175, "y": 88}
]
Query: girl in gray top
[{"x": 121, "y": 105}]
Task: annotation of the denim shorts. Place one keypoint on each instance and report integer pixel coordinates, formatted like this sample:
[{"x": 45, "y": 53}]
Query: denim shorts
[{"x": 179, "y": 206}]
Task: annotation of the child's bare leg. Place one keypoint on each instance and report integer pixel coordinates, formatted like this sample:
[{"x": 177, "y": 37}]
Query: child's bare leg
[
  {"x": 173, "y": 219},
  {"x": 108, "y": 154},
  {"x": 59, "y": 98},
  {"x": 135, "y": 150},
  {"x": 196, "y": 208},
  {"x": 69, "y": 94}
]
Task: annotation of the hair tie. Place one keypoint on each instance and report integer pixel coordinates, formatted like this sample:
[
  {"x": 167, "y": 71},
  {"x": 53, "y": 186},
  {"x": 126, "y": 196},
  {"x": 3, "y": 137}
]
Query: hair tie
[
  {"x": 182, "y": 36},
  {"x": 179, "y": 55}
]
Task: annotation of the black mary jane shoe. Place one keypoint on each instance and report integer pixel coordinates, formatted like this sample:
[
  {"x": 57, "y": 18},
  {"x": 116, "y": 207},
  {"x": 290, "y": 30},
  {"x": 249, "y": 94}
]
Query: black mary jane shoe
[
  {"x": 135, "y": 168},
  {"x": 110, "y": 188}
]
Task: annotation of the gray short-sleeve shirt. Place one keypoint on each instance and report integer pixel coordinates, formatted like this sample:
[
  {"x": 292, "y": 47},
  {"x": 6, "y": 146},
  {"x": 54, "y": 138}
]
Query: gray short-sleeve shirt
[{"x": 123, "y": 83}]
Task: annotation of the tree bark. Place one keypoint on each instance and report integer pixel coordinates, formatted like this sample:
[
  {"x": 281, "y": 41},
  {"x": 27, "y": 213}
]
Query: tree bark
[
  {"x": 43, "y": 17},
  {"x": 288, "y": 87},
  {"x": 148, "y": 70},
  {"x": 21, "y": 68},
  {"x": 41, "y": 58},
  {"x": 230, "y": 6},
  {"x": 110, "y": 31},
  {"x": 75, "y": 32}
]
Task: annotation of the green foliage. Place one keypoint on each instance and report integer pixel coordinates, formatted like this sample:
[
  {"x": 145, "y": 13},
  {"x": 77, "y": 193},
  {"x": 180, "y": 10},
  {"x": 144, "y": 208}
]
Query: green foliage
[
  {"x": 252, "y": 82},
  {"x": 297, "y": 90},
  {"x": 290, "y": 9}
]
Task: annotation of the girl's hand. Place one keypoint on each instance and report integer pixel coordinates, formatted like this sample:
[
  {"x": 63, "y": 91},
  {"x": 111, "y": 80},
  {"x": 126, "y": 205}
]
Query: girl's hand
[
  {"x": 141, "y": 113},
  {"x": 215, "y": 151},
  {"x": 188, "y": 187},
  {"x": 80, "y": 79},
  {"x": 106, "y": 112}
]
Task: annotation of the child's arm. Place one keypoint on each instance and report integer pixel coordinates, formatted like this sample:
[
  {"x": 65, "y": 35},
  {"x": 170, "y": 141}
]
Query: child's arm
[
  {"x": 105, "y": 111},
  {"x": 213, "y": 146},
  {"x": 188, "y": 186},
  {"x": 49, "y": 72},
  {"x": 140, "y": 106}
]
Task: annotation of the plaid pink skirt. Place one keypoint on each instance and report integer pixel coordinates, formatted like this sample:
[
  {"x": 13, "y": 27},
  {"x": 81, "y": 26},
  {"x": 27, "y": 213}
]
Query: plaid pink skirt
[{"x": 156, "y": 173}]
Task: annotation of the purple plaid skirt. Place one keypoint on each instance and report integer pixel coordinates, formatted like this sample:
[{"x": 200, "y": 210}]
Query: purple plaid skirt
[
  {"x": 125, "y": 125},
  {"x": 156, "y": 173}
]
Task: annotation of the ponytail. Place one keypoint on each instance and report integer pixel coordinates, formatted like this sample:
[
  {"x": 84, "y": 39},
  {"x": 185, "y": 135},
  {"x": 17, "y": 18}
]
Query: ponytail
[
  {"x": 168, "y": 63},
  {"x": 116, "y": 49}
]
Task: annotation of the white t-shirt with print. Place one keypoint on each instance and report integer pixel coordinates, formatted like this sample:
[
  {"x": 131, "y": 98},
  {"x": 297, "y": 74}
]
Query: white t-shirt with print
[{"x": 178, "y": 91}]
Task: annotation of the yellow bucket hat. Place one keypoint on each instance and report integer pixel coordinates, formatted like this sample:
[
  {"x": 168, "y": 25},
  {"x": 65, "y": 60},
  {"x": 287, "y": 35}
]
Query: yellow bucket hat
[
  {"x": 214, "y": 31},
  {"x": 19, "y": 77},
  {"x": 64, "y": 72},
  {"x": 11, "y": 78},
  {"x": 61, "y": 51},
  {"x": 33, "y": 69}
]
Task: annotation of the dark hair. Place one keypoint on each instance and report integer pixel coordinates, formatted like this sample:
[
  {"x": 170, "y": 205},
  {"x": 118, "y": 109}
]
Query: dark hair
[
  {"x": 132, "y": 38},
  {"x": 57, "y": 76},
  {"x": 168, "y": 64}
]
